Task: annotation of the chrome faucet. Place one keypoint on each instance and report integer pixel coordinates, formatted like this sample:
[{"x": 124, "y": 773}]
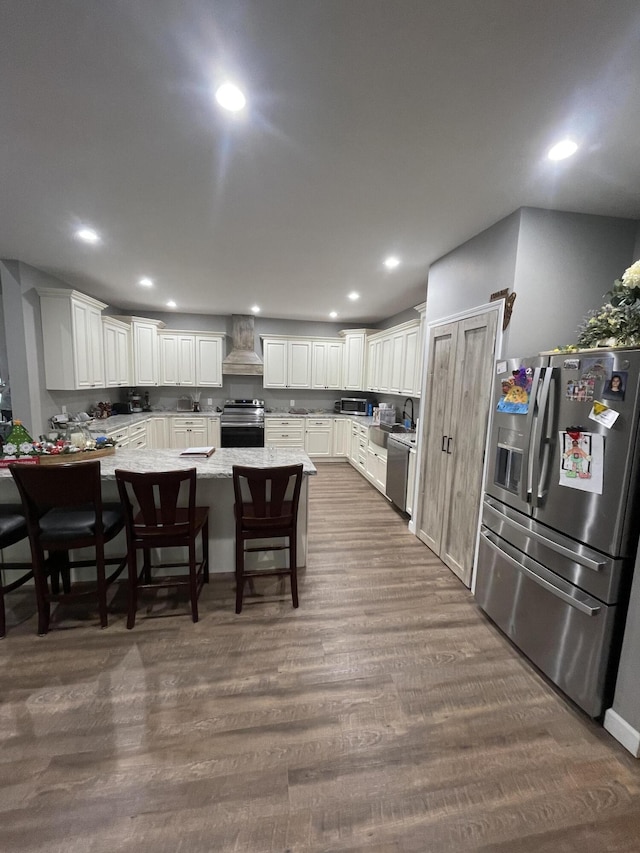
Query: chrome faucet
[{"x": 405, "y": 413}]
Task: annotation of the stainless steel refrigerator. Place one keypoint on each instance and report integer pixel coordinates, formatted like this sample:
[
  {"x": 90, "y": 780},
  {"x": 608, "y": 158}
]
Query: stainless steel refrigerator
[{"x": 561, "y": 514}]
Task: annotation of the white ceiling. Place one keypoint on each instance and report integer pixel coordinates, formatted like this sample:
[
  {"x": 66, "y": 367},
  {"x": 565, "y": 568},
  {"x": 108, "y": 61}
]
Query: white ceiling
[{"x": 373, "y": 126}]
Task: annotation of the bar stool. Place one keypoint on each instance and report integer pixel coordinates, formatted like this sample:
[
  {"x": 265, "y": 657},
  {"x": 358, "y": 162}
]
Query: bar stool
[
  {"x": 64, "y": 511},
  {"x": 155, "y": 521},
  {"x": 13, "y": 528},
  {"x": 266, "y": 507}
]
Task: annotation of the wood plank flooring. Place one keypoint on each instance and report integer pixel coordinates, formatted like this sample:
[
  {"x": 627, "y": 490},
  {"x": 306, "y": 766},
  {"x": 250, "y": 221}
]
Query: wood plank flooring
[{"x": 385, "y": 715}]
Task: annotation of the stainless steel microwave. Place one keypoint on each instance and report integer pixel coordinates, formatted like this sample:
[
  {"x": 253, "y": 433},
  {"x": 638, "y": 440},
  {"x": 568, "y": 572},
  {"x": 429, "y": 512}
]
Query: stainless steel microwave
[{"x": 359, "y": 406}]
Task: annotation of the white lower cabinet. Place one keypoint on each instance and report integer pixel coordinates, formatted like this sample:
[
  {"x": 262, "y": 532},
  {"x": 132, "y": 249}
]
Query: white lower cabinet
[
  {"x": 341, "y": 436},
  {"x": 138, "y": 434},
  {"x": 189, "y": 432},
  {"x": 158, "y": 433},
  {"x": 213, "y": 432},
  {"x": 119, "y": 436},
  {"x": 284, "y": 432},
  {"x": 376, "y": 469},
  {"x": 319, "y": 437}
]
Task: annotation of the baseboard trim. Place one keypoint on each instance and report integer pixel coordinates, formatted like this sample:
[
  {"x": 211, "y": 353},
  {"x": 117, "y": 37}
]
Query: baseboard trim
[{"x": 622, "y": 732}]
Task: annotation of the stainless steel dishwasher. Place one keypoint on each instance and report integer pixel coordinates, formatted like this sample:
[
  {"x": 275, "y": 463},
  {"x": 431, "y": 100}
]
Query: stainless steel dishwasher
[{"x": 397, "y": 472}]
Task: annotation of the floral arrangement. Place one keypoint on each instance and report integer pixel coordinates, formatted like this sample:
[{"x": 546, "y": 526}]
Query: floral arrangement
[{"x": 617, "y": 323}]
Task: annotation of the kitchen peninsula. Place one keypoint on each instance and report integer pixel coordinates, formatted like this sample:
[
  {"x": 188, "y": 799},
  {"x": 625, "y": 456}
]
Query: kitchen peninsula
[{"x": 215, "y": 488}]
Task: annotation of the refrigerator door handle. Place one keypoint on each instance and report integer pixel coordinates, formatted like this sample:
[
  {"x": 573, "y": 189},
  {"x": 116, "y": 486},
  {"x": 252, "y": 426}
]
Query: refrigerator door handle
[
  {"x": 541, "y": 457},
  {"x": 525, "y": 478},
  {"x": 587, "y": 562},
  {"x": 549, "y": 587}
]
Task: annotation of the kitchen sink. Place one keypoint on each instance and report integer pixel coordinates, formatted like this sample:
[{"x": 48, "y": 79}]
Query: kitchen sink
[
  {"x": 395, "y": 428},
  {"x": 378, "y": 436}
]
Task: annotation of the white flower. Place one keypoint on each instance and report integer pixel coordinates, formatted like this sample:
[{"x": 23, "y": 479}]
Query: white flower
[
  {"x": 10, "y": 449},
  {"x": 25, "y": 447},
  {"x": 631, "y": 276}
]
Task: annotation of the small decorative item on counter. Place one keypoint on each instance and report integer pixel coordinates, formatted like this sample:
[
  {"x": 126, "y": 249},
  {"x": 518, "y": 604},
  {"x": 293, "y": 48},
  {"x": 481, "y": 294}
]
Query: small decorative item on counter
[
  {"x": 18, "y": 442},
  {"x": 20, "y": 447}
]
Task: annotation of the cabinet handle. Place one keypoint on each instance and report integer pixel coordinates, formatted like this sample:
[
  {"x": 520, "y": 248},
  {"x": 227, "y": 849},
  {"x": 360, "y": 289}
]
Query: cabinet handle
[
  {"x": 444, "y": 444},
  {"x": 449, "y": 440}
]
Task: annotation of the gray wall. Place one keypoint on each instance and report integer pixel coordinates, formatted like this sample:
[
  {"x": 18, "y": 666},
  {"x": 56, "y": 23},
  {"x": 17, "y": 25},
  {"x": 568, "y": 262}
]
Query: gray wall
[
  {"x": 559, "y": 264},
  {"x": 565, "y": 264},
  {"x": 467, "y": 276},
  {"x": 636, "y": 251}
]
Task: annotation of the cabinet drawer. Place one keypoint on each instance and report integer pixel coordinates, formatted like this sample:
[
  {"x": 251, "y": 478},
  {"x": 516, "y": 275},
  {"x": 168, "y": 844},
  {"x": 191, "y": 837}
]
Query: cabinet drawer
[
  {"x": 200, "y": 423},
  {"x": 119, "y": 436},
  {"x": 319, "y": 423},
  {"x": 136, "y": 430},
  {"x": 283, "y": 422}
]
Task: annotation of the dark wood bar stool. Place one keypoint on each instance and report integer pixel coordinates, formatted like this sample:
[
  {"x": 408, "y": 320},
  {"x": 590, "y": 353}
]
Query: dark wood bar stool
[
  {"x": 266, "y": 507},
  {"x": 13, "y": 528},
  {"x": 64, "y": 511},
  {"x": 155, "y": 520}
]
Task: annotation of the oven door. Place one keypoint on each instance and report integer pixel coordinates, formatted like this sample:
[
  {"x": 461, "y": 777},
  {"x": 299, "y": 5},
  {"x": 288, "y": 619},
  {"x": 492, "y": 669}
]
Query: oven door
[{"x": 242, "y": 435}]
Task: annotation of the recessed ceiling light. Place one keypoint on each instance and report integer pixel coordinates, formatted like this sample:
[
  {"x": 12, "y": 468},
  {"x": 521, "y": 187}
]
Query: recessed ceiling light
[
  {"x": 230, "y": 97},
  {"x": 353, "y": 296},
  {"x": 333, "y": 315},
  {"x": 255, "y": 309},
  {"x": 562, "y": 150},
  {"x": 146, "y": 282},
  {"x": 391, "y": 262},
  {"x": 88, "y": 235},
  {"x": 171, "y": 304}
]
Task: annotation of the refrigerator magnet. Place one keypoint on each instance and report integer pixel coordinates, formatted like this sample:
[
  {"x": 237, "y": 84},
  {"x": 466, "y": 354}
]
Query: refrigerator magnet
[
  {"x": 602, "y": 414},
  {"x": 614, "y": 389},
  {"x": 581, "y": 460}
]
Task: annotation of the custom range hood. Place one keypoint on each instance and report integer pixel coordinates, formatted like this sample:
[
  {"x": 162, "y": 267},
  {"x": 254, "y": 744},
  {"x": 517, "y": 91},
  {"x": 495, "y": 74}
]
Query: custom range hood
[{"x": 243, "y": 360}]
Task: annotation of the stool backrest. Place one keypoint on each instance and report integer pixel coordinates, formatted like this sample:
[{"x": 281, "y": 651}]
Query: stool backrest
[
  {"x": 151, "y": 500},
  {"x": 267, "y": 498},
  {"x": 46, "y": 487}
]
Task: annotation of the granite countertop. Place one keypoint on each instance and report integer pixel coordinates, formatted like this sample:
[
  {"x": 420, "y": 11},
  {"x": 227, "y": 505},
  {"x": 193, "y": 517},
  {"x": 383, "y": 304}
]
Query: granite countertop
[
  {"x": 217, "y": 466},
  {"x": 102, "y": 425}
]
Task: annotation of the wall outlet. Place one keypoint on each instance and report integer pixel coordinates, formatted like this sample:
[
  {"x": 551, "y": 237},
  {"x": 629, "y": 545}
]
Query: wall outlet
[
  {"x": 64, "y": 410},
  {"x": 209, "y": 401},
  {"x": 292, "y": 402}
]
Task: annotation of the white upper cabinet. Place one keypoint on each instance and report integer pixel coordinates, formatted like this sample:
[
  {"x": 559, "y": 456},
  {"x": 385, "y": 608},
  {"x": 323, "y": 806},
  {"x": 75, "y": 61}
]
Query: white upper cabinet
[
  {"x": 209, "y": 361},
  {"x": 72, "y": 339},
  {"x": 145, "y": 350},
  {"x": 326, "y": 364},
  {"x": 287, "y": 362},
  {"x": 177, "y": 358},
  {"x": 394, "y": 359},
  {"x": 117, "y": 352},
  {"x": 353, "y": 363}
]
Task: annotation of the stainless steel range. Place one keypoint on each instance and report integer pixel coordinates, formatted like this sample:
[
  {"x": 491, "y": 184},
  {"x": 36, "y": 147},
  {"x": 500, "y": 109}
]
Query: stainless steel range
[{"x": 242, "y": 423}]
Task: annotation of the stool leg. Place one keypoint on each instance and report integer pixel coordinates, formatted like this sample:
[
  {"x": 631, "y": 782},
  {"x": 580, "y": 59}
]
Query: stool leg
[
  {"x": 205, "y": 551},
  {"x": 239, "y": 571},
  {"x": 193, "y": 580},
  {"x": 3, "y": 621},
  {"x": 132, "y": 568},
  {"x": 293, "y": 567},
  {"x": 42, "y": 591},
  {"x": 102, "y": 588}
]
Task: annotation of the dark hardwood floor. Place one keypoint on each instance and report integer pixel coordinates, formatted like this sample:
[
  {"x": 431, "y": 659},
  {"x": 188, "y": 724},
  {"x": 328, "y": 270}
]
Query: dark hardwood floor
[{"x": 385, "y": 715}]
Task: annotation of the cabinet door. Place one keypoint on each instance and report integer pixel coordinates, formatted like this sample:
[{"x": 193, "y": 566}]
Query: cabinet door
[
  {"x": 208, "y": 362},
  {"x": 96, "y": 349},
  {"x": 186, "y": 360},
  {"x": 299, "y": 355},
  {"x": 435, "y": 420},
  {"x": 384, "y": 364},
  {"x": 410, "y": 377},
  {"x": 180, "y": 437},
  {"x": 111, "y": 351},
  {"x": 455, "y": 416},
  {"x": 341, "y": 436},
  {"x": 411, "y": 480},
  {"x": 318, "y": 441},
  {"x": 275, "y": 364},
  {"x": 353, "y": 368},
  {"x": 372, "y": 365},
  {"x": 398, "y": 343},
  {"x": 471, "y": 396},
  {"x": 335, "y": 354},
  {"x": 145, "y": 354},
  {"x": 168, "y": 348},
  {"x": 198, "y": 437},
  {"x": 82, "y": 351},
  {"x": 319, "y": 355},
  {"x": 158, "y": 434}
]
